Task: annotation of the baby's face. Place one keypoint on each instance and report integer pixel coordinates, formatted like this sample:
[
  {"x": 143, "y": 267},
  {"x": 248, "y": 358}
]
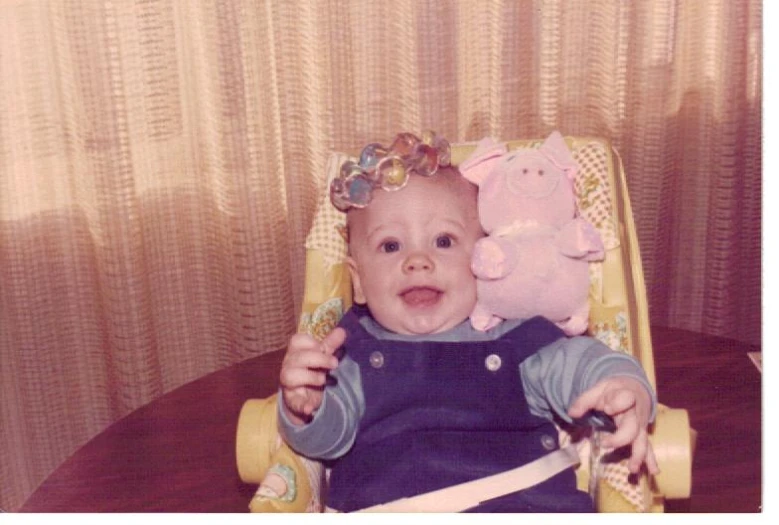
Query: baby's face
[{"x": 411, "y": 254}]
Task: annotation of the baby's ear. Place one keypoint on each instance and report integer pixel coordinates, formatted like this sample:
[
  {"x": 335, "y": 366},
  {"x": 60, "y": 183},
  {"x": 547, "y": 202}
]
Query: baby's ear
[
  {"x": 479, "y": 164},
  {"x": 358, "y": 295}
]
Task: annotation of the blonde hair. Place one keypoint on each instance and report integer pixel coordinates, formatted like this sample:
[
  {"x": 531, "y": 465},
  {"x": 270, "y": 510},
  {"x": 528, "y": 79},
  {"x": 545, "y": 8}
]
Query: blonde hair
[{"x": 447, "y": 175}]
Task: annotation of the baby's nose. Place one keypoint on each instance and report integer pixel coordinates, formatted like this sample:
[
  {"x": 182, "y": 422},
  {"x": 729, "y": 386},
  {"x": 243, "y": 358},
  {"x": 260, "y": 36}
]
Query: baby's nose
[{"x": 418, "y": 262}]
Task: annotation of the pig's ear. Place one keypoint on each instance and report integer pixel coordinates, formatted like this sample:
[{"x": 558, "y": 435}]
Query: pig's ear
[
  {"x": 556, "y": 150},
  {"x": 479, "y": 164}
]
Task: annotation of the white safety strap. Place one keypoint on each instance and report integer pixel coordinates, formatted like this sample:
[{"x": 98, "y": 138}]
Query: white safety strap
[{"x": 467, "y": 495}]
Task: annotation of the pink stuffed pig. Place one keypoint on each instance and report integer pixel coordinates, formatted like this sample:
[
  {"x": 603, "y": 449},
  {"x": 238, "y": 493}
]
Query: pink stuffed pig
[{"x": 534, "y": 260}]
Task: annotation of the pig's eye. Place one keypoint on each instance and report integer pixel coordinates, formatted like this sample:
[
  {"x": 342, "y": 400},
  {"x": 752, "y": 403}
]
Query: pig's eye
[
  {"x": 524, "y": 171},
  {"x": 540, "y": 173}
]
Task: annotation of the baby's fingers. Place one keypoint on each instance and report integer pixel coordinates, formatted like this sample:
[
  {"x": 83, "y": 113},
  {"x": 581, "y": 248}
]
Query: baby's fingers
[
  {"x": 626, "y": 432},
  {"x": 642, "y": 453},
  {"x": 650, "y": 459},
  {"x": 333, "y": 341},
  {"x": 301, "y": 377},
  {"x": 309, "y": 359},
  {"x": 301, "y": 402},
  {"x": 619, "y": 401},
  {"x": 303, "y": 343},
  {"x": 589, "y": 400}
]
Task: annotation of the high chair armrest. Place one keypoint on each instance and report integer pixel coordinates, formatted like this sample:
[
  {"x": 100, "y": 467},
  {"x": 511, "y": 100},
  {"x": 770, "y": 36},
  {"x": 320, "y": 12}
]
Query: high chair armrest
[
  {"x": 260, "y": 452},
  {"x": 673, "y": 442},
  {"x": 256, "y": 438}
]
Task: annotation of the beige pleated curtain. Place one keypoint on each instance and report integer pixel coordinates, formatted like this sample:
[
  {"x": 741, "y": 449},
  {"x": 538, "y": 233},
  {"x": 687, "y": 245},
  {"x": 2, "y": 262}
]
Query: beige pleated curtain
[{"x": 160, "y": 161}]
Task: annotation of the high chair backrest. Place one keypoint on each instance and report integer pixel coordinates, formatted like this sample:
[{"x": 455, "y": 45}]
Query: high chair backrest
[{"x": 618, "y": 307}]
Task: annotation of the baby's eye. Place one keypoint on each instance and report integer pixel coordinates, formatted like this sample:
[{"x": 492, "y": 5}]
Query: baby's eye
[
  {"x": 390, "y": 246},
  {"x": 443, "y": 241}
]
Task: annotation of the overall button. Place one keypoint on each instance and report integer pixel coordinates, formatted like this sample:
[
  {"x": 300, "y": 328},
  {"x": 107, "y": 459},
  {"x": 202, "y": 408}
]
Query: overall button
[
  {"x": 493, "y": 362},
  {"x": 376, "y": 359},
  {"x": 548, "y": 442}
]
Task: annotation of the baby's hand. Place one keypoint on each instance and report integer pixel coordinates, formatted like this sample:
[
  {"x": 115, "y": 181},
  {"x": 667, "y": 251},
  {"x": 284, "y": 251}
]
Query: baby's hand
[
  {"x": 627, "y": 401},
  {"x": 304, "y": 372}
]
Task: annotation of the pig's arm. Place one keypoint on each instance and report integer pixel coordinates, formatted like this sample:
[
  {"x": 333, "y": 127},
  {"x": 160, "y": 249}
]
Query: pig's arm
[
  {"x": 494, "y": 258},
  {"x": 580, "y": 240}
]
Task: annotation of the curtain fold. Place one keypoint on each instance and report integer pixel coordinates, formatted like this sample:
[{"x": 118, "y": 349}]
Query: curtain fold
[{"x": 161, "y": 160}]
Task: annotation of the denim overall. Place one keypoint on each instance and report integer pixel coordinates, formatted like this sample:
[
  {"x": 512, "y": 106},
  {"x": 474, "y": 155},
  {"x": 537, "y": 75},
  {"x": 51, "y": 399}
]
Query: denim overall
[{"x": 442, "y": 413}]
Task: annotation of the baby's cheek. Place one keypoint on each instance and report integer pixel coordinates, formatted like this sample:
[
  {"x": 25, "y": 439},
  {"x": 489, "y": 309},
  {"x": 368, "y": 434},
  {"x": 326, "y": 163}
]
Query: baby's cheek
[
  {"x": 463, "y": 263},
  {"x": 468, "y": 286}
]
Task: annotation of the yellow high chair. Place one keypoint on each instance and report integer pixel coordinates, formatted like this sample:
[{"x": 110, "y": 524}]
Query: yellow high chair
[{"x": 618, "y": 317}]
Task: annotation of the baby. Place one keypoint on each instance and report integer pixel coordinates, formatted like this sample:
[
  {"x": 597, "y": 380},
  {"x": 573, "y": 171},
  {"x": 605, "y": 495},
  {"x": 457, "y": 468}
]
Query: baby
[{"x": 405, "y": 397}]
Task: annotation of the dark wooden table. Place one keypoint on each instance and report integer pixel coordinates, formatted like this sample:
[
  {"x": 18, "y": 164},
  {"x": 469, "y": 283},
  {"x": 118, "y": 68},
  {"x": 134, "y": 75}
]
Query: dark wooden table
[
  {"x": 177, "y": 454},
  {"x": 721, "y": 389}
]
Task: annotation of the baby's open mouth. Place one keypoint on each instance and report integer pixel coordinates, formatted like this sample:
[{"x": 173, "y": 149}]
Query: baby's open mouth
[{"x": 421, "y": 296}]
